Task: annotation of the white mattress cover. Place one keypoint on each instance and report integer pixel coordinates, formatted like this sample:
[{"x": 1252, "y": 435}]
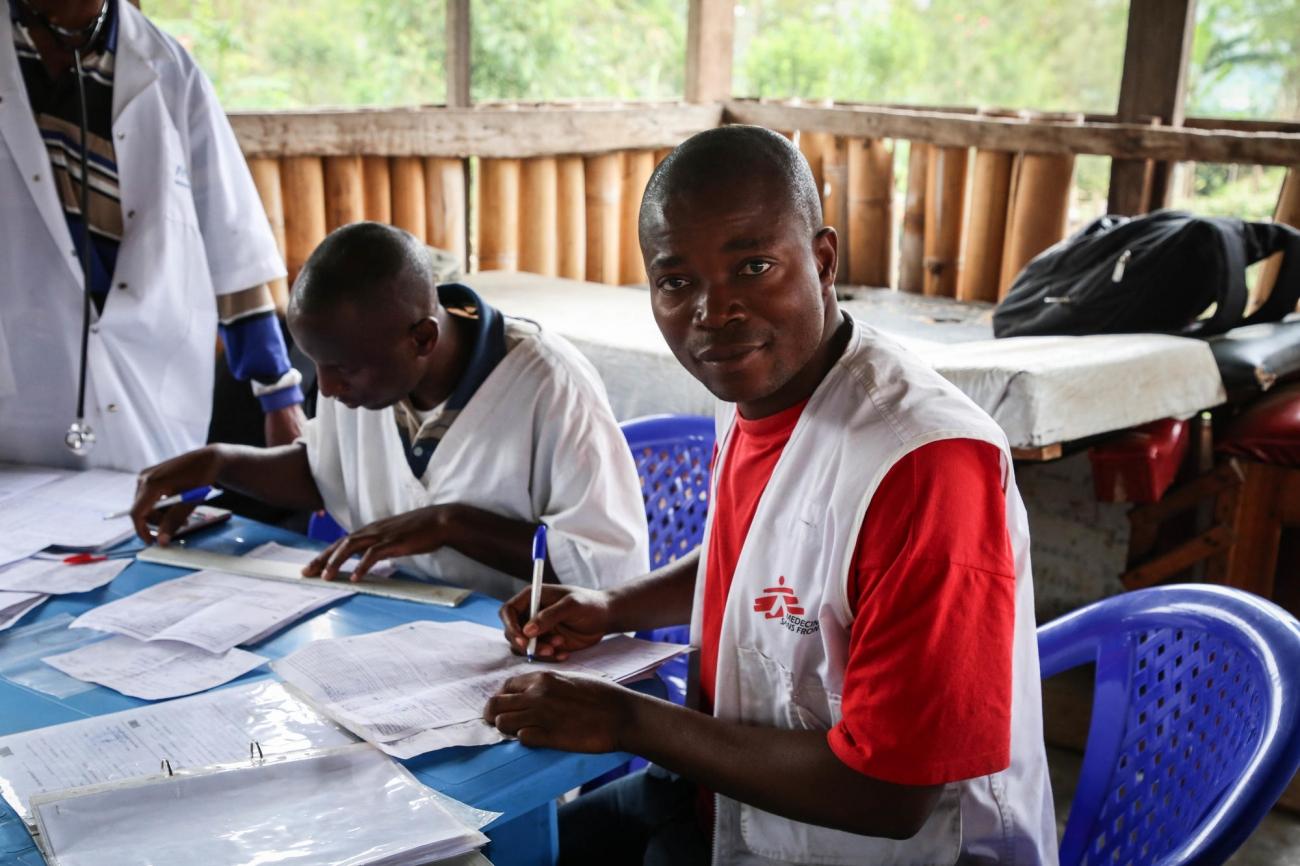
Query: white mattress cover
[{"x": 1041, "y": 390}]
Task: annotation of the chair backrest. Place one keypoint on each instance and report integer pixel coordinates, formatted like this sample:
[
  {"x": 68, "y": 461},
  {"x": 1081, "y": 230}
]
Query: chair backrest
[
  {"x": 672, "y": 454},
  {"x": 1195, "y": 727}
]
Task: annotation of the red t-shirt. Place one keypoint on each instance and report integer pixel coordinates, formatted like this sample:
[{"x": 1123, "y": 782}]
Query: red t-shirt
[{"x": 927, "y": 686}]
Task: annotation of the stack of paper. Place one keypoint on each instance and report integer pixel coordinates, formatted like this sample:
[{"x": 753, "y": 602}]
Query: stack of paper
[
  {"x": 179, "y": 637},
  {"x": 55, "y": 577},
  {"x": 27, "y": 583},
  {"x": 153, "y": 671},
  {"x": 422, "y": 686},
  {"x": 350, "y": 805},
  {"x": 191, "y": 732},
  {"x": 16, "y": 605},
  {"x": 211, "y": 610},
  {"x": 42, "y": 507}
]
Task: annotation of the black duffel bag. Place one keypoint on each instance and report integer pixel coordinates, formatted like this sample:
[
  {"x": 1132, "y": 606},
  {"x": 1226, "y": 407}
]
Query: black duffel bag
[{"x": 1154, "y": 273}]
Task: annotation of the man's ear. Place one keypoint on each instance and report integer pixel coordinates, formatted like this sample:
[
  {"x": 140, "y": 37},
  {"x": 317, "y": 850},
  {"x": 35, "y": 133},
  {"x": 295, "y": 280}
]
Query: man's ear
[
  {"x": 425, "y": 333},
  {"x": 825, "y": 246}
]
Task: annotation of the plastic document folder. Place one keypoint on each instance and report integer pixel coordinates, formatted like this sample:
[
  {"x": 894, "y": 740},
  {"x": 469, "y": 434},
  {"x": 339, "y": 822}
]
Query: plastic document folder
[
  {"x": 214, "y": 728},
  {"x": 350, "y": 806}
]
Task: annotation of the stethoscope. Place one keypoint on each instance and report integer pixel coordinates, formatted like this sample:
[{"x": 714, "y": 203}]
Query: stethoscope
[{"x": 79, "y": 438}]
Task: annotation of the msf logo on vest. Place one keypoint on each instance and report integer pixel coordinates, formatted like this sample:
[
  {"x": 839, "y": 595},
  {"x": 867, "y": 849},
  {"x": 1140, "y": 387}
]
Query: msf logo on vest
[{"x": 780, "y": 602}]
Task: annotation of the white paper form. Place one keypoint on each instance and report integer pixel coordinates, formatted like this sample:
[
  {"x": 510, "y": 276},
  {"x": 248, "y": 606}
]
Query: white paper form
[
  {"x": 16, "y": 605},
  {"x": 427, "y": 682},
  {"x": 301, "y": 556},
  {"x": 16, "y": 478},
  {"x": 211, "y": 610},
  {"x": 69, "y": 511},
  {"x": 15, "y": 546},
  {"x": 54, "y": 577},
  {"x": 189, "y": 732},
  {"x": 153, "y": 671},
  {"x": 270, "y": 811}
]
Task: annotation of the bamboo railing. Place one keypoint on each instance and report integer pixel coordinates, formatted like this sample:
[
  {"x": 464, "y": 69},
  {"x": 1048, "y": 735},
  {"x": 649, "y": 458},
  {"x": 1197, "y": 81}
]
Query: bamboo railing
[{"x": 555, "y": 189}]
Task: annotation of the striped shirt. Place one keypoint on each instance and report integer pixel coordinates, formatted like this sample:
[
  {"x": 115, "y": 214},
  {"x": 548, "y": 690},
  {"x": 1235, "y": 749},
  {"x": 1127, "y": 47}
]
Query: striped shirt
[{"x": 255, "y": 347}]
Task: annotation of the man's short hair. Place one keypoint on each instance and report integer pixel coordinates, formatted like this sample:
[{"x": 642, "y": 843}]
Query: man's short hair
[
  {"x": 735, "y": 154},
  {"x": 363, "y": 262}
]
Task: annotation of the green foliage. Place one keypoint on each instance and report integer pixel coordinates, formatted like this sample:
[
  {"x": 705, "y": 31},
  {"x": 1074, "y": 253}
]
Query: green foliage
[
  {"x": 1246, "y": 59},
  {"x": 562, "y": 49},
  {"x": 391, "y": 52},
  {"x": 1042, "y": 54},
  {"x": 1051, "y": 55}
]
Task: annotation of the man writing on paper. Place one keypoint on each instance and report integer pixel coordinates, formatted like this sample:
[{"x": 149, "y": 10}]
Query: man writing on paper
[
  {"x": 178, "y": 244},
  {"x": 862, "y": 600},
  {"x": 444, "y": 432}
]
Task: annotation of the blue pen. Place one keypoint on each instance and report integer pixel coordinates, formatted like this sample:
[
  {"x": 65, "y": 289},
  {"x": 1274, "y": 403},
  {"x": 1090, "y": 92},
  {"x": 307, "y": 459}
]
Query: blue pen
[
  {"x": 539, "y": 568},
  {"x": 198, "y": 494}
]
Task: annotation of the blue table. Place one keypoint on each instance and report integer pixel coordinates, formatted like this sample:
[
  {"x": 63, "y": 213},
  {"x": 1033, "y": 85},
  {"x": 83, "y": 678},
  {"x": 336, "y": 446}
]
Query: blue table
[{"x": 519, "y": 782}]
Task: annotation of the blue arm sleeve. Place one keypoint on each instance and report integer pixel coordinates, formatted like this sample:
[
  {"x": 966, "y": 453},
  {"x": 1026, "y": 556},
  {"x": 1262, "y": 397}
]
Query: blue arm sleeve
[{"x": 255, "y": 350}]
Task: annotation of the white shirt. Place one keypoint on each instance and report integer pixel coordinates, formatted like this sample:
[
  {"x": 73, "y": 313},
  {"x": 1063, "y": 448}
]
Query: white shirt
[
  {"x": 537, "y": 442},
  {"x": 194, "y": 229}
]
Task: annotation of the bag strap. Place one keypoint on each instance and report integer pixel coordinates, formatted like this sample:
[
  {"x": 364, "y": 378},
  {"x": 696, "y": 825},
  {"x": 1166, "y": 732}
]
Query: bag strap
[
  {"x": 1278, "y": 237},
  {"x": 1231, "y": 304}
]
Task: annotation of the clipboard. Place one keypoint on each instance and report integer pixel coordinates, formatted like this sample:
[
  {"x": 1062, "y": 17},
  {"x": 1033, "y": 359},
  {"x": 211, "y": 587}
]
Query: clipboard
[
  {"x": 228, "y": 807},
  {"x": 269, "y": 569}
]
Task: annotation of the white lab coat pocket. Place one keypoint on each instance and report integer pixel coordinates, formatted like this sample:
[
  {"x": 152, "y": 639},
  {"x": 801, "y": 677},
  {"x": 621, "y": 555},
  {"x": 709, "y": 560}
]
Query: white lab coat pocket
[{"x": 770, "y": 696}]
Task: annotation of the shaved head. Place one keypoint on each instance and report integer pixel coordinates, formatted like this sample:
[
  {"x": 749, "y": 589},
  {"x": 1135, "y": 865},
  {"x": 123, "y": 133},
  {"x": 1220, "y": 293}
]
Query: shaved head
[
  {"x": 365, "y": 309},
  {"x": 719, "y": 161},
  {"x": 366, "y": 264}
]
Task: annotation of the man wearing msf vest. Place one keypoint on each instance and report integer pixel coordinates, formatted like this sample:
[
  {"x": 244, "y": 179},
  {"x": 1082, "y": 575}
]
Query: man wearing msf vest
[{"x": 862, "y": 602}]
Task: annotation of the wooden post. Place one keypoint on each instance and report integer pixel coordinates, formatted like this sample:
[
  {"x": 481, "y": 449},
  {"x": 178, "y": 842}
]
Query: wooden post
[
  {"x": 1287, "y": 211},
  {"x": 813, "y": 146},
  {"x": 1156, "y": 52},
  {"x": 637, "y": 167},
  {"x": 498, "y": 214},
  {"x": 1038, "y": 210},
  {"x": 710, "y": 37},
  {"x": 981, "y": 272},
  {"x": 408, "y": 195},
  {"x": 911, "y": 248},
  {"x": 458, "y": 52},
  {"x": 345, "y": 193},
  {"x": 266, "y": 177},
  {"x": 604, "y": 184},
  {"x": 945, "y": 204},
  {"x": 835, "y": 199},
  {"x": 871, "y": 208},
  {"x": 571, "y": 218},
  {"x": 444, "y": 206},
  {"x": 378, "y": 188},
  {"x": 302, "y": 183},
  {"x": 539, "y": 230}
]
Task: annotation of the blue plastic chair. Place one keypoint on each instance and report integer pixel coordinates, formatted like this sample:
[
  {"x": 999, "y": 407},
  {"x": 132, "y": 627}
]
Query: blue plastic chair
[
  {"x": 673, "y": 454},
  {"x": 1195, "y": 729}
]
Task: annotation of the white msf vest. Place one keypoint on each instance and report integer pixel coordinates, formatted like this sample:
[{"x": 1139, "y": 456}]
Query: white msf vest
[{"x": 877, "y": 404}]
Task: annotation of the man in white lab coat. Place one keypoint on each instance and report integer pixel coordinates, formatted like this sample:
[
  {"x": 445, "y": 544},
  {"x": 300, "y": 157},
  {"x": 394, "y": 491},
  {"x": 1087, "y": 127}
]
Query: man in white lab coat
[
  {"x": 178, "y": 242},
  {"x": 445, "y": 432}
]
